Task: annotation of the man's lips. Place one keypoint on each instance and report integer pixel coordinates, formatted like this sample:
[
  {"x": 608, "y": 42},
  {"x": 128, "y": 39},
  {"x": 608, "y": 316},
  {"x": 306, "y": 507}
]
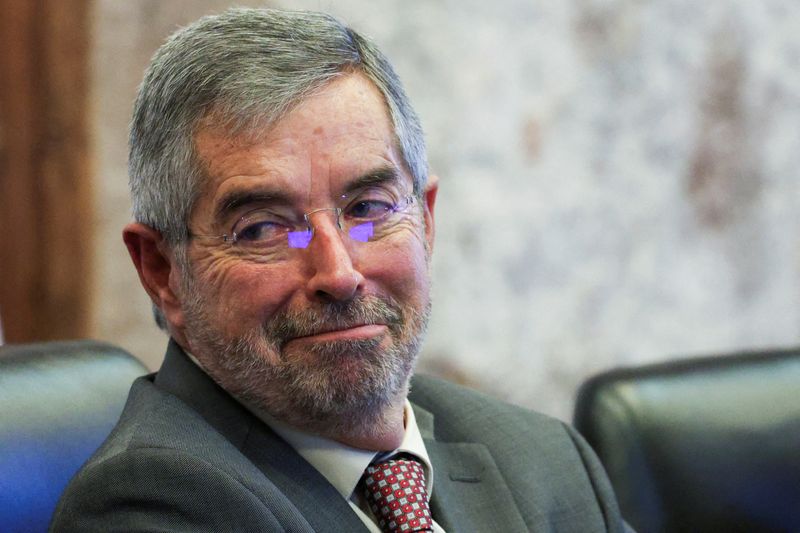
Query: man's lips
[{"x": 365, "y": 331}]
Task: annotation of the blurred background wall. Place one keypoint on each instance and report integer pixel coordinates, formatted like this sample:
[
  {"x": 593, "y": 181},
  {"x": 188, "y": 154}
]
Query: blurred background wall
[{"x": 618, "y": 178}]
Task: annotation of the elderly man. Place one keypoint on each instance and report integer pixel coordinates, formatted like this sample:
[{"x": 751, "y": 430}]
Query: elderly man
[{"x": 284, "y": 228}]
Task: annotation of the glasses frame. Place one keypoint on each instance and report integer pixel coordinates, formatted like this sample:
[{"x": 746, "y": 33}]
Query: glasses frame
[{"x": 232, "y": 237}]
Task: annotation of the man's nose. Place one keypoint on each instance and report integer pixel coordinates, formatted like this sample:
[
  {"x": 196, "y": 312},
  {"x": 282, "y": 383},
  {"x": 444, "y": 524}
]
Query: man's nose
[{"x": 334, "y": 276}]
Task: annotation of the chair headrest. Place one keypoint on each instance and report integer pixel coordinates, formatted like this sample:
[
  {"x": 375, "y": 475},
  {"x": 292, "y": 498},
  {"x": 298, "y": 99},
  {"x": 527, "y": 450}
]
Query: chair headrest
[
  {"x": 701, "y": 444},
  {"x": 58, "y": 402}
]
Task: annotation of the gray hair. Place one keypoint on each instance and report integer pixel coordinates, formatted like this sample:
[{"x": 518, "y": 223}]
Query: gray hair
[{"x": 244, "y": 69}]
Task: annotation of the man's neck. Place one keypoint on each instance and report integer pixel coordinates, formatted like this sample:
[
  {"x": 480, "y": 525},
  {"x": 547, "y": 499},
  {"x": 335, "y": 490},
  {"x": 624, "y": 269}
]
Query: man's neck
[{"x": 388, "y": 437}]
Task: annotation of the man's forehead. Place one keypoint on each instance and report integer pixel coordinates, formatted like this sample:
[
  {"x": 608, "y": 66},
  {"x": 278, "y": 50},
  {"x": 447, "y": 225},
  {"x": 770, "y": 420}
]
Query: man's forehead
[
  {"x": 348, "y": 103},
  {"x": 285, "y": 163}
]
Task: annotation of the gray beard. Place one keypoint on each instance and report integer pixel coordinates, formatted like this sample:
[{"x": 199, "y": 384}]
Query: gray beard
[{"x": 330, "y": 388}]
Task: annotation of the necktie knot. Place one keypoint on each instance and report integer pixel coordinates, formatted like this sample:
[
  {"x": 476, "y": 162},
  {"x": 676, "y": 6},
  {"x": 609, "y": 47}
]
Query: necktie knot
[{"x": 396, "y": 493}]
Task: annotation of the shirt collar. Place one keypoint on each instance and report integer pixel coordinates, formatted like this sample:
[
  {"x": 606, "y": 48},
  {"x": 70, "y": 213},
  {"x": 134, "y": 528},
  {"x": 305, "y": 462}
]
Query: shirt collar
[{"x": 344, "y": 465}]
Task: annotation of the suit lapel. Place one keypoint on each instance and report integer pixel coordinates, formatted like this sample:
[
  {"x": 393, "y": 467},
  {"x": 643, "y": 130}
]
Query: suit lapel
[
  {"x": 469, "y": 492},
  {"x": 316, "y": 499}
]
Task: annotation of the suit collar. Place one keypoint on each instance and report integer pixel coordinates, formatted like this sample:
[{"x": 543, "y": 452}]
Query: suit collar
[{"x": 185, "y": 380}]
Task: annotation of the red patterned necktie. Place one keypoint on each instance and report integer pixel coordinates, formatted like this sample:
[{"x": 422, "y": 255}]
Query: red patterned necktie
[{"x": 395, "y": 491}]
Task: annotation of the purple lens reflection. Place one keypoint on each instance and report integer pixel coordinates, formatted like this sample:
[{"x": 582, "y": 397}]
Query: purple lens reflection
[
  {"x": 362, "y": 232},
  {"x": 299, "y": 239}
]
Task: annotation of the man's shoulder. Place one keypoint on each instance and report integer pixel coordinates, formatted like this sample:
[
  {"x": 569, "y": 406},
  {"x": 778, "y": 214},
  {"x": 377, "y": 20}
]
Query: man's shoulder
[
  {"x": 540, "y": 457},
  {"x": 155, "y": 427},
  {"x": 461, "y": 414},
  {"x": 155, "y": 419},
  {"x": 142, "y": 488},
  {"x": 164, "y": 455}
]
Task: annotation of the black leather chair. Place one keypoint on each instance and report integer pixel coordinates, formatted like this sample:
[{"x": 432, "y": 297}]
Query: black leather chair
[
  {"x": 698, "y": 445},
  {"x": 58, "y": 402}
]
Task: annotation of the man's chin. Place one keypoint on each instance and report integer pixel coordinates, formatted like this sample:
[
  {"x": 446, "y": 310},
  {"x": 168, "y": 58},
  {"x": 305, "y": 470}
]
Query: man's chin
[
  {"x": 344, "y": 377},
  {"x": 347, "y": 368}
]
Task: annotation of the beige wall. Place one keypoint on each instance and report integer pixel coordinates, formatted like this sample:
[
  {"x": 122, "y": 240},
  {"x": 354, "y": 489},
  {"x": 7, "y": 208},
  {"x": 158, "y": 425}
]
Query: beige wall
[{"x": 618, "y": 178}]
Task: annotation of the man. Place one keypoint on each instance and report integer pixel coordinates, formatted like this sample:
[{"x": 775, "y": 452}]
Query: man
[{"x": 284, "y": 226}]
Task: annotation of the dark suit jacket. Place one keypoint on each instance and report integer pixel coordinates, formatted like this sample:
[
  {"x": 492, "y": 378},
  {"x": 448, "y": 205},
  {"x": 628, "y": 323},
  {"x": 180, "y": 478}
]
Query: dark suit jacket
[{"x": 186, "y": 456}]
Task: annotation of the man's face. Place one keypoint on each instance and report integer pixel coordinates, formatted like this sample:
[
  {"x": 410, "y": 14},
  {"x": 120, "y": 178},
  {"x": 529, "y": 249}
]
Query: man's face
[{"x": 322, "y": 337}]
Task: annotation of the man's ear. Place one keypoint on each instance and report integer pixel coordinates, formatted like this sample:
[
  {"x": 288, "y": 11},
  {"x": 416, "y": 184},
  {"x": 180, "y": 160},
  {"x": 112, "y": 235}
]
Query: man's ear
[
  {"x": 429, "y": 196},
  {"x": 155, "y": 263}
]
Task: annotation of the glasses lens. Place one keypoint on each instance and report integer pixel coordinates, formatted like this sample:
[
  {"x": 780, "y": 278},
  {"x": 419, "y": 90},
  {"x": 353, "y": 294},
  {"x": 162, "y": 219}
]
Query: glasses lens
[
  {"x": 368, "y": 216},
  {"x": 362, "y": 232},
  {"x": 261, "y": 229},
  {"x": 299, "y": 239}
]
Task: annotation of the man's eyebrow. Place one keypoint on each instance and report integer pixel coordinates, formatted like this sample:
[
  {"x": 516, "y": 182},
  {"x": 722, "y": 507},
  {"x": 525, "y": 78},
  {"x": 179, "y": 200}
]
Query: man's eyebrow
[
  {"x": 378, "y": 176},
  {"x": 234, "y": 200}
]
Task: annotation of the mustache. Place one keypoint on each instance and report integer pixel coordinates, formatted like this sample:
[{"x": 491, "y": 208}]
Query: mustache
[{"x": 362, "y": 310}]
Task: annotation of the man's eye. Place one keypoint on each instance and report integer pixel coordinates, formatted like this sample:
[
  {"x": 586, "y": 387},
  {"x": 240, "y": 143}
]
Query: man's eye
[
  {"x": 259, "y": 230},
  {"x": 369, "y": 209}
]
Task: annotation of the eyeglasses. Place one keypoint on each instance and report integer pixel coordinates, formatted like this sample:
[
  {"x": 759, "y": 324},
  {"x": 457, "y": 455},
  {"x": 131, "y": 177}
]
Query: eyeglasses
[{"x": 367, "y": 217}]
